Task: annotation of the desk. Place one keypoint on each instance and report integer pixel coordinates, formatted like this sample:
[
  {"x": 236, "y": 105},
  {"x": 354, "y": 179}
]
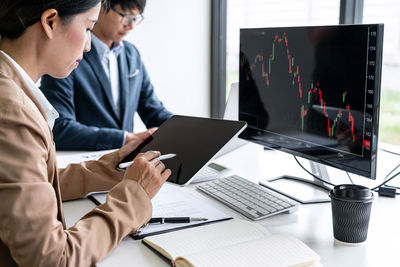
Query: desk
[{"x": 311, "y": 223}]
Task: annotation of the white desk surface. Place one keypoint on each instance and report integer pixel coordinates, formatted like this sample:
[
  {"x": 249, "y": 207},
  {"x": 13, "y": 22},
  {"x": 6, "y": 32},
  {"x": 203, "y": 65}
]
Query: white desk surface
[{"x": 312, "y": 223}]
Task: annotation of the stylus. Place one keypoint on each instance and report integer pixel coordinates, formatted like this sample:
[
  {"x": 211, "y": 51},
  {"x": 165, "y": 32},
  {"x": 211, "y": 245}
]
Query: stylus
[{"x": 125, "y": 165}]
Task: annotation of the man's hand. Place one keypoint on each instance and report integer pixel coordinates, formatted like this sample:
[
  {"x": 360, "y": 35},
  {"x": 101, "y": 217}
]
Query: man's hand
[
  {"x": 139, "y": 137},
  {"x": 149, "y": 172},
  {"x": 133, "y": 140}
]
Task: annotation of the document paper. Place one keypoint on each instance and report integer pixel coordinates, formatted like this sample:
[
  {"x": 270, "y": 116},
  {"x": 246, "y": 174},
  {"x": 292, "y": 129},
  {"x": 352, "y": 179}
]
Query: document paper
[{"x": 173, "y": 201}]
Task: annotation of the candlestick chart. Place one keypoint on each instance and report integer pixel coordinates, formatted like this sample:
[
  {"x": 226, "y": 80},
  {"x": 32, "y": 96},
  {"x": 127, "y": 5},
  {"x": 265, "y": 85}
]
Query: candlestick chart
[{"x": 307, "y": 86}]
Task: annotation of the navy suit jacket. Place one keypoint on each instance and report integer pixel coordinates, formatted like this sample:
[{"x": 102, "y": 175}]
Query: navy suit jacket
[{"x": 88, "y": 117}]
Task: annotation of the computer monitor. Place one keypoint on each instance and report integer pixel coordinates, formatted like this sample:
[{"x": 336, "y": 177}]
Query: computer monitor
[{"x": 314, "y": 92}]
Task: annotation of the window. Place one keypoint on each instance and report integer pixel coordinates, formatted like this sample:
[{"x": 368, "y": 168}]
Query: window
[
  {"x": 386, "y": 11},
  {"x": 271, "y": 13}
]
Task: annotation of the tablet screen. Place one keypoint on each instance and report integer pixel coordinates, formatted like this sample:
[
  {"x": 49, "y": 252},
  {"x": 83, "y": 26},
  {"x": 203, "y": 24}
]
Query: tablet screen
[{"x": 194, "y": 140}]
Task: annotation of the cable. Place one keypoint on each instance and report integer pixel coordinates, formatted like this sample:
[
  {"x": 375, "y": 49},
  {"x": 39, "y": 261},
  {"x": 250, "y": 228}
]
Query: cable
[
  {"x": 313, "y": 175},
  {"x": 390, "y": 172},
  {"x": 385, "y": 182},
  {"x": 394, "y": 186},
  {"x": 388, "y": 151},
  {"x": 387, "y": 191},
  {"x": 388, "y": 176},
  {"x": 382, "y": 187},
  {"x": 374, "y": 188},
  {"x": 349, "y": 177}
]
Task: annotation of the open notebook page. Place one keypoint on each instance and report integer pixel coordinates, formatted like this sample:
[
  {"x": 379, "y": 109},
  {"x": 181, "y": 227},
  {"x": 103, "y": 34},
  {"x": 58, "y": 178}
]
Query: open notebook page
[
  {"x": 273, "y": 251},
  {"x": 208, "y": 237}
]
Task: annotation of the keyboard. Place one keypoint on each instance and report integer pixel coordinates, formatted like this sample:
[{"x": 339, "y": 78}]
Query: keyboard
[{"x": 250, "y": 199}]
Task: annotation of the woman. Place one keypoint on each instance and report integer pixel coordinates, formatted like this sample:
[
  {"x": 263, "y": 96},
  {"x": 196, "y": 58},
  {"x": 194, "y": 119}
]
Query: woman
[{"x": 49, "y": 37}]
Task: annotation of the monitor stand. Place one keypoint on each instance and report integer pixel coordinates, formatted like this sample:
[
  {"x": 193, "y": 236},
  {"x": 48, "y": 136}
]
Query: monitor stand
[{"x": 305, "y": 191}]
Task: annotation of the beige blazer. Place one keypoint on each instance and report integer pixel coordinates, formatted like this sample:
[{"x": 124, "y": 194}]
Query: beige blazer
[{"x": 32, "y": 227}]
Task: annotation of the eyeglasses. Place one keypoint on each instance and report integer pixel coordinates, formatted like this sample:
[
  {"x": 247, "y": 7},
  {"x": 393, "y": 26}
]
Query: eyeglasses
[{"x": 128, "y": 19}]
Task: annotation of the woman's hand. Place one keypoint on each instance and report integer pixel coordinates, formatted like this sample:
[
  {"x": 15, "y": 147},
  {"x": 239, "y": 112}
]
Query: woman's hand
[
  {"x": 149, "y": 172},
  {"x": 133, "y": 140}
]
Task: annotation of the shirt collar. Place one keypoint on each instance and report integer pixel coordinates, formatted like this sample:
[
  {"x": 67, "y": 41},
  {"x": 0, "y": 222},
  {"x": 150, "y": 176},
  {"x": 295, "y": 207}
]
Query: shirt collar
[
  {"x": 103, "y": 50},
  {"x": 51, "y": 113}
]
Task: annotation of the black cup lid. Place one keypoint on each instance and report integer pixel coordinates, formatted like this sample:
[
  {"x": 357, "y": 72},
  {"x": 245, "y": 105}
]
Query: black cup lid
[{"x": 352, "y": 192}]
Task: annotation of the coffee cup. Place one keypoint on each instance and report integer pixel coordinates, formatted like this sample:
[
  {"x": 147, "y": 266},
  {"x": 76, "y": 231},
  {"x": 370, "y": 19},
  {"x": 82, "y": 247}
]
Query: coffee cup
[{"x": 351, "y": 209}]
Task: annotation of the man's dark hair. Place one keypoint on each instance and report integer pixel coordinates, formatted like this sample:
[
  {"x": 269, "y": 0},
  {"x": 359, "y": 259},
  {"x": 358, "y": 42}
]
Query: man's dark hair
[
  {"x": 129, "y": 4},
  {"x": 17, "y": 15}
]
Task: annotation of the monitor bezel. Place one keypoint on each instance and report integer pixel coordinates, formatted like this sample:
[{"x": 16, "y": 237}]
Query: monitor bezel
[{"x": 250, "y": 132}]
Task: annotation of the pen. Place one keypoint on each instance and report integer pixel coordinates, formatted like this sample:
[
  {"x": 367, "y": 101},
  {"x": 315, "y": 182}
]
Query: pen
[
  {"x": 162, "y": 220},
  {"x": 162, "y": 157}
]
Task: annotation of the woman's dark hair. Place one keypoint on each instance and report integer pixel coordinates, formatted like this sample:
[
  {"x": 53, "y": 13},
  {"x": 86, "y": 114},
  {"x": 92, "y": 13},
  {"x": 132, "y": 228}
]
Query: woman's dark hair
[
  {"x": 129, "y": 4},
  {"x": 17, "y": 15}
]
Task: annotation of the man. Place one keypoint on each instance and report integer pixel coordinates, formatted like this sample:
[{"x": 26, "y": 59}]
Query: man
[{"x": 98, "y": 100}]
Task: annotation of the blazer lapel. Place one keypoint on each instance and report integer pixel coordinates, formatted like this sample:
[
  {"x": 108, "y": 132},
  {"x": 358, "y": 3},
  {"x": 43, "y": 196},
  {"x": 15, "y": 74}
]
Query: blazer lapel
[
  {"x": 124, "y": 85},
  {"x": 94, "y": 61}
]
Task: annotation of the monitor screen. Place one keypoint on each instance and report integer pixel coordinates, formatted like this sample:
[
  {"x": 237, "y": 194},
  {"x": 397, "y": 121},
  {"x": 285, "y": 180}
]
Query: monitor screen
[{"x": 314, "y": 92}]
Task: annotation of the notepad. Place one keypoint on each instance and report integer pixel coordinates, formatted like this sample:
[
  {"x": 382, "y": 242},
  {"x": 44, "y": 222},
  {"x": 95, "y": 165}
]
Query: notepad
[{"x": 231, "y": 243}]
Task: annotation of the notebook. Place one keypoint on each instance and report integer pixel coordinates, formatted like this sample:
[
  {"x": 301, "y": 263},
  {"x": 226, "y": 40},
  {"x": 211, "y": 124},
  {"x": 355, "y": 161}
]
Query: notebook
[{"x": 231, "y": 243}]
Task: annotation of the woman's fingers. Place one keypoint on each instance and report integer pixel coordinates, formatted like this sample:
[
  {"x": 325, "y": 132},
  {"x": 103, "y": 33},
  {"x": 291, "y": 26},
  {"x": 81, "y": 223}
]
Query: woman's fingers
[
  {"x": 148, "y": 171},
  {"x": 150, "y": 155}
]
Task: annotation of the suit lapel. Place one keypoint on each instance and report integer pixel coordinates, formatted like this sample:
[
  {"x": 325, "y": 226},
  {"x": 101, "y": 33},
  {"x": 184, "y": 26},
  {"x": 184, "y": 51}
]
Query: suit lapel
[
  {"x": 124, "y": 85},
  {"x": 93, "y": 59}
]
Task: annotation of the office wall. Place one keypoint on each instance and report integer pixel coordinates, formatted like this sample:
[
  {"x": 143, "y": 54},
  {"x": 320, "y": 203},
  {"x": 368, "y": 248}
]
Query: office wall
[{"x": 174, "y": 41}]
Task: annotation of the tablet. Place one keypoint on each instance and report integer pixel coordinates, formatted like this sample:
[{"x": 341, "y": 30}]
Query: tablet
[{"x": 194, "y": 140}]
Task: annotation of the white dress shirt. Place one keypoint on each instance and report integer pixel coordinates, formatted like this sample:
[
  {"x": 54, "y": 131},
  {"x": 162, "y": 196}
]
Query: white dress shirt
[
  {"x": 109, "y": 61},
  {"x": 50, "y": 111}
]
